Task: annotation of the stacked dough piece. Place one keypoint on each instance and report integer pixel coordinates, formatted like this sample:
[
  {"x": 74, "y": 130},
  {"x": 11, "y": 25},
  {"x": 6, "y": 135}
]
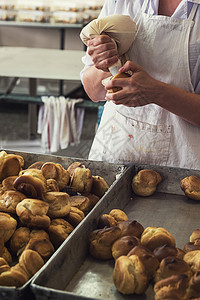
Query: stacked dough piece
[{"x": 39, "y": 207}]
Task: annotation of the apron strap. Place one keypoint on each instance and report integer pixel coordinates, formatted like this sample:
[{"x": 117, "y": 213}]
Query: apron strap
[
  {"x": 144, "y": 5},
  {"x": 193, "y": 12}
]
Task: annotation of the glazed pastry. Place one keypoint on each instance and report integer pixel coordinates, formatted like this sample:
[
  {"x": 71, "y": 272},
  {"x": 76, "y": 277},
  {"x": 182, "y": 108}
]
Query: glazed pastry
[
  {"x": 59, "y": 204},
  {"x": 81, "y": 180},
  {"x": 9, "y": 201},
  {"x": 55, "y": 171},
  {"x": 99, "y": 186},
  {"x": 75, "y": 216},
  {"x": 145, "y": 182},
  {"x": 131, "y": 228},
  {"x": 173, "y": 287},
  {"x": 129, "y": 275},
  {"x": 172, "y": 265},
  {"x": 80, "y": 202},
  {"x": 150, "y": 262},
  {"x": 59, "y": 230},
  {"x": 192, "y": 258},
  {"x": 7, "y": 226},
  {"x": 101, "y": 240},
  {"x": 33, "y": 213},
  {"x": 106, "y": 220},
  {"x": 10, "y": 165},
  {"x": 123, "y": 245},
  {"x": 195, "y": 235},
  {"x": 119, "y": 215},
  {"x": 31, "y": 183},
  {"x": 191, "y": 187},
  {"x": 154, "y": 237},
  {"x": 194, "y": 286}
]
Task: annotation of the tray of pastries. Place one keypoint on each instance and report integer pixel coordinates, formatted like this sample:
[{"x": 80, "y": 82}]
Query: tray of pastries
[
  {"x": 44, "y": 200},
  {"x": 142, "y": 242}
]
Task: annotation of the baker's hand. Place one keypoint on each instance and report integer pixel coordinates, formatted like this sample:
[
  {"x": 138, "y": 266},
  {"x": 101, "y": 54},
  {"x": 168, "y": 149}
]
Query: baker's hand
[
  {"x": 102, "y": 51},
  {"x": 138, "y": 90}
]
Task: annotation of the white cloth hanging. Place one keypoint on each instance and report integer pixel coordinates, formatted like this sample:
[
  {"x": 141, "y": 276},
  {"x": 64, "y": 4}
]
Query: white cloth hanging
[{"x": 59, "y": 124}]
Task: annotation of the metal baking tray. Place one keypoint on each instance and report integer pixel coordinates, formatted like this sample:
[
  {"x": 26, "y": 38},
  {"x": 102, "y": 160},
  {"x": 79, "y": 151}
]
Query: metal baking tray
[
  {"x": 106, "y": 170},
  {"x": 74, "y": 274}
]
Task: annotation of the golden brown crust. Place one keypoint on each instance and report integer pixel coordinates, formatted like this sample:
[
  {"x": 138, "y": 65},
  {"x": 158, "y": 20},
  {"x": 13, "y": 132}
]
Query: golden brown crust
[
  {"x": 154, "y": 237},
  {"x": 119, "y": 215},
  {"x": 19, "y": 240},
  {"x": 191, "y": 246},
  {"x": 195, "y": 235},
  {"x": 101, "y": 240},
  {"x": 7, "y": 256},
  {"x": 52, "y": 185},
  {"x": 106, "y": 220},
  {"x": 12, "y": 277},
  {"x": 9, "y": 201},
  {"x": 42, "y": 246},
  {"x": 59, "y": 230},
  {"x": 99, "y": 186},
  {"x": 7, "y": 226},
  {"x": 75, "y": 216},
  {"x": 33, "y": 213},
  {"x": 165, "y": 251},
  {"x": 36, "y": 165},
  {"x": 73, "y": 166},
  {"x": 8, "y": 183},
  {"x": 59, "y": 204},
  {"x": 80, "y": 202},
  {"x": 123, "y": 245},
  {"x": 56, "y": 171},
  {"x": 30, "y": 261},
  {"x": 92, "y": 198},
  {"x": 131, "y": 228},
  {"x": 4, "y": 266},
  {"x": 192, "y": 258},
  {"x": 191, "y": 187},
  {"x": 145, "y": 182},
  {"x": 194, "y": 286},
  {"x": 81, "y": 180},
  {"x": 10, "y": 165},
  {"x": 119, "y": 75}
]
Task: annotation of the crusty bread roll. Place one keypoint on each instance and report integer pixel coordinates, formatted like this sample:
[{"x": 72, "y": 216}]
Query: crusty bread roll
[
  {"x": 81, "y": 202},
  {"x": 165, "y": 251},
  {"x": 7, "y": 256},
  {"x": 4, "y": 266},
  {"x": 192, "y": 258},
  {"x": 99, "y": 186},
  {"x": 52, "y": 185},
  {"x": 36, "y": 165},
  {"x": 8, "y": 183},
  {"x": 75, "y": 216},
  {"x": 7, "y": 226},
  {"x": 195, "y": 235},
  {"x": 56, "y": 171},
  {"x": 9, "y": 201},
  {"x": 73, "y": 166},
  {"x": 153, "y": 237},
  {"x": 119, "y": 75},
  {"x": 59, "y": 230},
  {"x": 130, "y": 227},
  {"x": 10, "y": 164},
  {"x": 145, "y": 182},
  {"x": 123, "y": 245},
  {"x": 101, "y": 240},
  {"x": 33, "y": 213},
  {"x": 191, "y": 187},
  {"x": 173, "y": 287},
  {"x": 119, "y": 215},
  {"x": 81, "y": 180},
  {"x": 172, "y": 265},
  {"x": 42, "y": 246},
  {"x": 19, "y": 240},
  {"x": 106, "y": 220},
  {"x": 13, "y": 277},
  {"x": 59, "y": 204},
  {"x": 150, "y": 262},
  {"x": 92, "y": 198},
  {"x": 191, "y": 246},
  {"x": 194, "y": 286},
  {"x": 31, "y": 183},
  {"x": 30, "y": 261},
  {"x": 129, "y": 275}
]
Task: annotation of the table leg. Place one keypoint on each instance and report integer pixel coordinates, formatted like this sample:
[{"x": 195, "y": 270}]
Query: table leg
[{"x": 32, "y": 110}]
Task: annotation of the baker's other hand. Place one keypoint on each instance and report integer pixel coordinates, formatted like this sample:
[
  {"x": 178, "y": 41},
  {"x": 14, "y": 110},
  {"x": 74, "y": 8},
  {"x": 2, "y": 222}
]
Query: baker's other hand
[
  {"x": 103, "y": 52},
  {"x": 138, "y": 90}
]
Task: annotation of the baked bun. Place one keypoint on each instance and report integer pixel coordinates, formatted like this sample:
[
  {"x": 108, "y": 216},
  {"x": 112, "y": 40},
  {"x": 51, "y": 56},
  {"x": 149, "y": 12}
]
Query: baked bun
[
  {"x": 9, "y": 201},
  {"x": 172, "y": 265},
  {"x": 31, "y": 183},
  {"x": 30, "y": 262},
  {"x": 59, "y": 230},
  {"x": 36, "y": 165},
  {"x": 52, "y": 185},
  {"x": 130, "y": 227},
  {"x": 194, "y": 286},
  {"x": 81, "y": 180},
  {"x": 99, "y": 186},
  {"x": 19, "y": 240},
  {"x": 75, "y": 216},
  {"x": 119, "y": 75},
  {"x": 129, "y": 275},
  {"x": 12, "y": 278},
  {"x": 92, "y": 198},
  {"x": 55, "y": 171},
  {"x": 150, "y": 262},
  {"x": 191, "y": 187},
  {"x": 80, "y": 202},
  {"x": 154, "y": 237},
  {"x": 145, "y": 182},
  {"x": 7, "y": 226},
  {"x": 42, "y": 246},
  {"x": 33, "y": 213},
  {"x": 59, "y": 204},
  {"x": 123, "y": 245},
  {"x": 4, "y": 266},
  {"x": 192, "y": 258},
  {"x": 195, "y": 235},
  {"x": 8, "y": 183},
  {"x": 173, "y": 287},
  {"x": 7, "y": 256},
  {"x": 73, "y": 166},
  {"x": 10, "y": 164},
  {"x": 165, "y": 251},
  {"x": 119, "y": 215},
  {"x": 106, "y": 220},
  {"x": 191, "y": 246},
  {"x": 101, "y": 240}
]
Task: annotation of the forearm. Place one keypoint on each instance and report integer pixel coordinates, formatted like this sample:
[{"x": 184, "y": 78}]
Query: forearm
[
  {"x": 182, "y": 103},
  {"x": 92, "y": 83}
]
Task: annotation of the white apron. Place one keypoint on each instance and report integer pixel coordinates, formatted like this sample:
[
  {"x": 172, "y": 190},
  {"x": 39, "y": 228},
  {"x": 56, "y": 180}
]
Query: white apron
[{"x": 150, "y": 134}]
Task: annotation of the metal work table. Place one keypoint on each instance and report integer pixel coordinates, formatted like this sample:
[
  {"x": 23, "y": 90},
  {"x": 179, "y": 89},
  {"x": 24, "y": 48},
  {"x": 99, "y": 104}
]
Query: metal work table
[{"x": 36, "y": 63}]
